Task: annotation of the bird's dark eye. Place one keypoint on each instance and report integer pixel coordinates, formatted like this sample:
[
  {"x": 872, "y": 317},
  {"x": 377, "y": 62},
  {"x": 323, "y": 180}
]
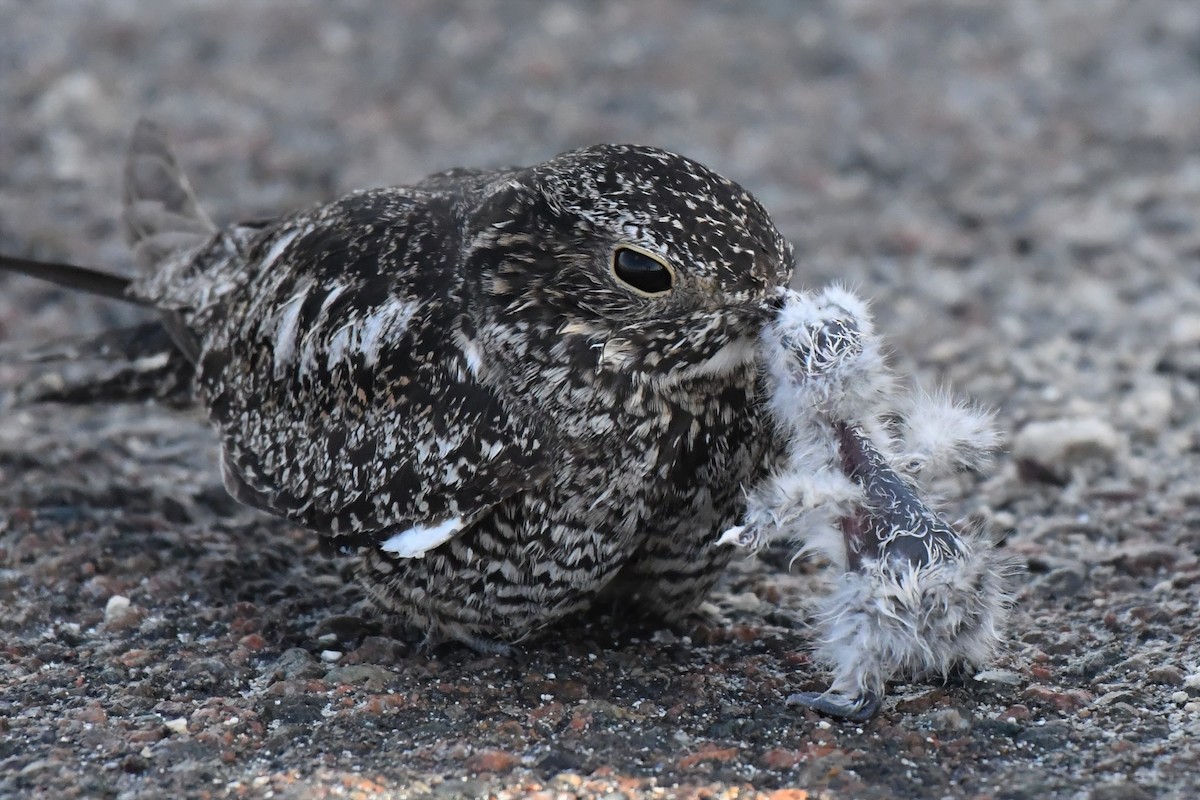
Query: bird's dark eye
[{"x": 641, "y": 271}]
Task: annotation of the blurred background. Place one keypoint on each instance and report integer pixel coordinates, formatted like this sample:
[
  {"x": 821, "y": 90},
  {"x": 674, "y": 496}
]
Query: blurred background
[{"x": 1015, "y": 185}]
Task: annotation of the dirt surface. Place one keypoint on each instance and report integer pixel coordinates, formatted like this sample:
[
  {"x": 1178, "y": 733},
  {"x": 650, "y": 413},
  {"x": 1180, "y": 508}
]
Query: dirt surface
[{"x": 1015, "y": 185}]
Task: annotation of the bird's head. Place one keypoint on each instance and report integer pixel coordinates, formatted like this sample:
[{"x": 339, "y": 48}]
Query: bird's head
[{"x": 625, "y": 260}]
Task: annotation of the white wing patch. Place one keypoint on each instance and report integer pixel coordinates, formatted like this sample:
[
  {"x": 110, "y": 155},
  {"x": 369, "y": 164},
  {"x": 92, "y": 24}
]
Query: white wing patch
[
  {"x": 280, "y": 245},
  {"x": 471, "y": 352},
  {"x": 419, "y": 539},
  {"x": 389, "y": 321},
  {"x": 369, "y": 335},
  {"x": 285, "y": 332}
]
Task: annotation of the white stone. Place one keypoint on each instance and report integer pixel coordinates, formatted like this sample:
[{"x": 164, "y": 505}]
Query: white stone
[
  {"x": 179, "y": 725},
  {"x": 116, "y": 606},
  {"x": 1062, "y": 443}
]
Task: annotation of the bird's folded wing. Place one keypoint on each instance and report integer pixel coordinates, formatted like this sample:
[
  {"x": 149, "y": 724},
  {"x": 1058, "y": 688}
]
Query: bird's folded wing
[{"x": 340, "y": 367}]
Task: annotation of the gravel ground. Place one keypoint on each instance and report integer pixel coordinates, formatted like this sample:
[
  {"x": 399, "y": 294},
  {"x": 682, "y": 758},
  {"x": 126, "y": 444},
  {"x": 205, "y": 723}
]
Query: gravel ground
[{"x": 1015, "y": 185}]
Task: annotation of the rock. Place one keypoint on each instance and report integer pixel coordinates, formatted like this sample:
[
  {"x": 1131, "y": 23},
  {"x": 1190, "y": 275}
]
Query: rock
[
  {"x": 1018, "y": 712},
  {"x": 343, "y": 629},
  {"x": 1123, "y": 696},
  {"x": 708, "y": 753},
  {"x": 380, "y": 650},
  {"x": 922, "y": 700},
  {"x": 1066, "y": 702},
  {"x": 295, "y": 663},
  {"x": 1047, "y": 451},
  {"x": 178, "y": 726},
  {"x": 949, "y": 720},
  {"x": 1144, "y": 558},
  {"x": 367, "y": 675},
  {"x": 1063, "y": 581},
  {"x": 136, "y": 657},
  {"x": 1099, "y": 227},
  {"x": 491, "y": 761},
  {"x": 206, "y": 673},
  {"x": 1147, "y": 408},
  {"x": 120, "y": 615},
  {"x": 116, "y": 607},
  {"x": 788, "y": 794},
  {"x": 1181, "y": 356},
  {"x": 1168, "y": 675},
  {"x": 998, "y": 676},
  {"x": 1120, "y": 791}
]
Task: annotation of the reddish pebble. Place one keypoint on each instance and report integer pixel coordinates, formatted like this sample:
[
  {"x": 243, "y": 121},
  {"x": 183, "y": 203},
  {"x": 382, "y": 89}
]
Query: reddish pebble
[
  {"x": 744, "y": 633},
  {"x": 491, "y": 761},
  {"x": 1017, "y": 712},
  {"x": 1062, "y": 701},
  {"x": 135, "y": 658},
  {"x": 92, "y": 713},
  {"x": 383, "y": 703},
  {"x": 147, "y": 737},
  {"x": 708, "y": 753},
  {"x": 781, "y": 758},
  {"x": 550, "y": 713},
  {"x": 253, "y": 642}
]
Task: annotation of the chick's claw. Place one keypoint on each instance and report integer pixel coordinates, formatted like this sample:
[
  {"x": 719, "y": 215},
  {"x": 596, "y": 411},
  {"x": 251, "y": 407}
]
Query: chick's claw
[{"x": 838, "y": 706}]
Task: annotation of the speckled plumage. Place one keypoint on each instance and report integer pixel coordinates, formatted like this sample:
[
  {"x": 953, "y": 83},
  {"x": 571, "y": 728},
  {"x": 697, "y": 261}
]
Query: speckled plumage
[
  {"x": 511, "y": 392},
  {"x": 457, "y": 360}
]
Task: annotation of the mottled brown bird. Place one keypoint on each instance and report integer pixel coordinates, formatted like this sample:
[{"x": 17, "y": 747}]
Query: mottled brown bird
[
  {"x": 506, "y": 390},
  {"x": 511, "y": 392}
]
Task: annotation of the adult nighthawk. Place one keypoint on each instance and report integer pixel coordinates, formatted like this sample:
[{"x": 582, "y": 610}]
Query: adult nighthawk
[{"x": 511, "y": 392}]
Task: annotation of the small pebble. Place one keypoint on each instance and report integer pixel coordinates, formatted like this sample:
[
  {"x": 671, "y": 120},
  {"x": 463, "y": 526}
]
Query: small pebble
[
  {"x": 1169, "y": 675},
  {"x": 948, "y": 719},
  {"x": 296, "y": 663},
  {"x": 1054, "y": 446},
  {"x": 1015, "y": 713},
  {"x": 331, "y": 656},
  {"x": 1144, "y": 558},
  {"x": 998, "y": 676},
  {"x": 179, "y": 725},
  {"x": 371, "y": 676},
  {"x": 116, "y": 607}
]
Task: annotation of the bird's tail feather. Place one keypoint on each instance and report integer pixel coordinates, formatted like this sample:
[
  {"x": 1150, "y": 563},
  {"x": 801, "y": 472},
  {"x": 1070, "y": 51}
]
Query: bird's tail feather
[
  {"x": 84, "y": 279},
  {"x": 162, "y": 215},
  {"x": 148, "y": 361}
]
